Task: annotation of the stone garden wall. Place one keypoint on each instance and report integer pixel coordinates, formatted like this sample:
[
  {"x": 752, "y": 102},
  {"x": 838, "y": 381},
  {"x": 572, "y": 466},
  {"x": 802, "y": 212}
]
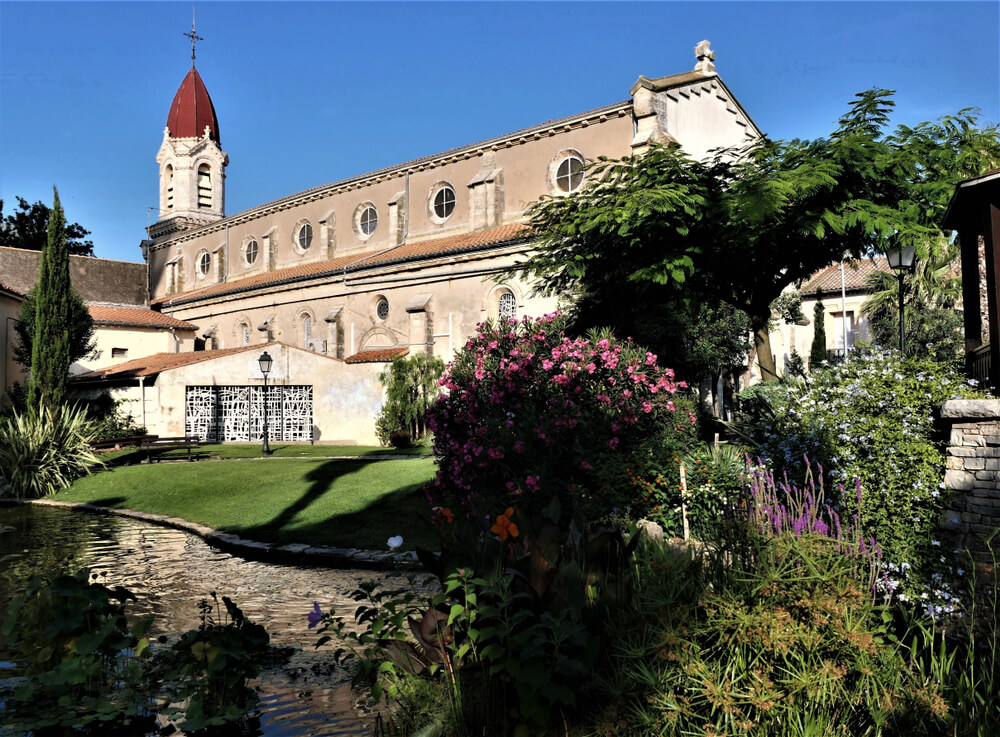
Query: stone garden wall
[{"x": 973, "y": 474}]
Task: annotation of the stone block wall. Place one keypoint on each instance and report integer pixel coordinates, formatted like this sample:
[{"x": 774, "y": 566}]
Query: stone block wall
[{"x": 973, "y": 474}]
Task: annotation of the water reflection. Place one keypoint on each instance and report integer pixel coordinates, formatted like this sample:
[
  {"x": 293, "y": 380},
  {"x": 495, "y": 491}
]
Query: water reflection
[{"x": 170, "y": 571}]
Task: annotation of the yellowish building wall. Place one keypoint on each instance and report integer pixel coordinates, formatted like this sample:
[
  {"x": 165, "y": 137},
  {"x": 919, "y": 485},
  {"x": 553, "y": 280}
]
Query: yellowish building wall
[{"x": 10, "y": 309}]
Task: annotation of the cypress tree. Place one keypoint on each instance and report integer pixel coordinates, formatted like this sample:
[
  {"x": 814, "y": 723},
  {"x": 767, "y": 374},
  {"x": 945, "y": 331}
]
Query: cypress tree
[
  {"x": 50, "y": 359},
  {"x": 817, "y": 353}
]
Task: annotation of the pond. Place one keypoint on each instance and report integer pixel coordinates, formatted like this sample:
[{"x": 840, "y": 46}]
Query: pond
[{"x": 171, "y": 571}]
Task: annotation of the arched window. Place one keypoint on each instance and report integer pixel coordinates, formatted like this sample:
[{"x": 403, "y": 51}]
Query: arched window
[
  {"x": 204, "y": 186},
  {"x": 307, "y": 330},
  {"x": 506, "y": 307},
  {"x": 245, "y": 334}
]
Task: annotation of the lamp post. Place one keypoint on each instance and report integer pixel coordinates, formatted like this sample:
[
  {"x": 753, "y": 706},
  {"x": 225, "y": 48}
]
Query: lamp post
[
  {"x": 900, "y": 261},
  {"x": 265, "y": 362}
]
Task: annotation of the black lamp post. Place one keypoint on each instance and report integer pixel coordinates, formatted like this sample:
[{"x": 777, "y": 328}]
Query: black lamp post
[
  {"x": 900, "y": 261},
  {"x": 265, "y": 362}
]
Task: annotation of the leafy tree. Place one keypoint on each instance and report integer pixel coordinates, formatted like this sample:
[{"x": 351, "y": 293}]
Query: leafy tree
[
  {"x": 27, "y": 228},
  {"x": 747, "y": 223},
  {"x": 50, "y": 351},
  {"x": 411, "y": 385},
  {"x": 817, "y": 353}
]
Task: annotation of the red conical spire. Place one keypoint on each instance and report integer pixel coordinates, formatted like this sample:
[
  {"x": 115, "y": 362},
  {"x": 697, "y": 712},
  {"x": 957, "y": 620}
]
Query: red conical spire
[{"x": 192, "y": 110}]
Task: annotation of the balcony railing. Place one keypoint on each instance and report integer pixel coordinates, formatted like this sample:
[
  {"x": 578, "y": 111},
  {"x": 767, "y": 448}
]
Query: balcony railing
[{"x": 980, "y": 365}]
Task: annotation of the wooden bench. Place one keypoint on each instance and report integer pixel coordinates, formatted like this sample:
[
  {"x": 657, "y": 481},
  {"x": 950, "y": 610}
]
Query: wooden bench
[
  {"x": 157, "y": 443},
  {"x": 127, "y": 441}
]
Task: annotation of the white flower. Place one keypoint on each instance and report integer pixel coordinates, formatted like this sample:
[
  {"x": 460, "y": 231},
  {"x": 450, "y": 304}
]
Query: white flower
[{"x": 394, "y": 542}]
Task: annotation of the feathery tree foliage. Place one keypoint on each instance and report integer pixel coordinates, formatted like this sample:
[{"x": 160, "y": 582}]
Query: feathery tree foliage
[
  {"x": 80, "y": 327},
  {"x": 743, "y": 225},
  {"x": 50, "y": 354},
  {"x": 411, "y": 385},
  {"x": 27, "y": 227}
]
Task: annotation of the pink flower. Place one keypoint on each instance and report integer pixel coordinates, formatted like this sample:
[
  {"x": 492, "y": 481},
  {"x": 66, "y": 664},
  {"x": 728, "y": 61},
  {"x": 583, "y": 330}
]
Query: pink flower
[
  {"x": 670, "y": 406},
  {"x": 613, "y": 443}
]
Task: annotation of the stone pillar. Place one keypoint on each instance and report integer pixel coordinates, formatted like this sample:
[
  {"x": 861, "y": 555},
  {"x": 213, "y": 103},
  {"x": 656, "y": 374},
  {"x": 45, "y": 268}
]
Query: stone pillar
[{"x": 973, "y": 474}]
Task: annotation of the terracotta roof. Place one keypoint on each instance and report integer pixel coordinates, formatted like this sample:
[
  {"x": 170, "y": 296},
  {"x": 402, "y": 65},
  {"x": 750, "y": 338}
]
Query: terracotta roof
[
  {"x": 510, "y": 233},
  {"x": 192, "y": 110},
  {"x": 137, "y": 317},
  {"x": 377, "y": 355},
  {"x": 154, "y": 364},
  {"x": 855, "y": 275},
  {"x": 10, "y": 290}
]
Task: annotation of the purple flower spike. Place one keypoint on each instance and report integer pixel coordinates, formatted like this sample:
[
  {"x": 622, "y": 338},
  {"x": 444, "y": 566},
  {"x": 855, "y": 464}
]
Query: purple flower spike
[{"x": 315, "y": 615}]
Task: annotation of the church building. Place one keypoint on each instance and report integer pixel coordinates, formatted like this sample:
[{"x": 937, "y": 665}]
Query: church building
[{"x": 336, "y": 280}]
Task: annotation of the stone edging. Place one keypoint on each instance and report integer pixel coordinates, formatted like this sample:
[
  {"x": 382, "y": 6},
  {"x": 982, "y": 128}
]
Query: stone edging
[{"x": 288, "y": 553}]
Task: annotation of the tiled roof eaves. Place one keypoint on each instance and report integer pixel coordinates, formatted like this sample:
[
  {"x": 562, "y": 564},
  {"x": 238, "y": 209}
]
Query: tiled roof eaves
[
  {"x": 363, "y": 265},
  {"x": 17, "y": 294},
  {"x": 137, "y": 324},
  {"x": 306, "y": 193}
]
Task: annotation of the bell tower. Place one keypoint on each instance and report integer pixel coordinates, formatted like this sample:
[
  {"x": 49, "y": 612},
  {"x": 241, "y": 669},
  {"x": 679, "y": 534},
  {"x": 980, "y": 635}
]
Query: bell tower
[{"x": 191, "y": 160}]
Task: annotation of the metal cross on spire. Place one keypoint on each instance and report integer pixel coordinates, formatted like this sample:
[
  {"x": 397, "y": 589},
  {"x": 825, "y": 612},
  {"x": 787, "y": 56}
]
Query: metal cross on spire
[{"x": 193, "y": 36}]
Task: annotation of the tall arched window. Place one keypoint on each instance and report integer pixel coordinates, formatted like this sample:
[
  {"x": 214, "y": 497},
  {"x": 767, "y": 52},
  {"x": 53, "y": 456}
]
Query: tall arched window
[
  {"x": 245, "y": 333},
  {"x": 506, "y": 307},
  {"x": 307, "y": 330},
  {"x": 204, "y": 186}
]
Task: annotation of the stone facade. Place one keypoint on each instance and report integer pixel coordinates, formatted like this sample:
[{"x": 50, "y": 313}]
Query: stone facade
[{"x": 973, "y": 474}]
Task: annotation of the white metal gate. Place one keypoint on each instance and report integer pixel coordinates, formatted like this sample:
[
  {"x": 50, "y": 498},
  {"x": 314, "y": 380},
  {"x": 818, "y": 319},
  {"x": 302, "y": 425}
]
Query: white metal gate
[{"x": 236, "y": 413}]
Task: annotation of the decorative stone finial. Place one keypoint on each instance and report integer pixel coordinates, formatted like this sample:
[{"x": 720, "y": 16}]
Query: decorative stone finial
[{"x": 705, "y": 58}]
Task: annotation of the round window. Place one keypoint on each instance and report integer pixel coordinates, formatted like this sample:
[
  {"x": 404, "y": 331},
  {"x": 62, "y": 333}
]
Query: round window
[
  {"x": 507, "y": 307},
  {"x": 204, "y": 264},
  {"x": 369, "y": 221},
  {"x": 305, "y": 236},
  {"x": 569, "y": 175},
  {"x": 251, "y": 251},
  {"x": 444, "y": 202},
  {"x": 382, "y": 308}
]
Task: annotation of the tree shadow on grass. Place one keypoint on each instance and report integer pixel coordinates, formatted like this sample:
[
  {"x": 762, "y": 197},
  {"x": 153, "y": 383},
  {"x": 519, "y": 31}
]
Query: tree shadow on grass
[{"x": 398, "y": 511}]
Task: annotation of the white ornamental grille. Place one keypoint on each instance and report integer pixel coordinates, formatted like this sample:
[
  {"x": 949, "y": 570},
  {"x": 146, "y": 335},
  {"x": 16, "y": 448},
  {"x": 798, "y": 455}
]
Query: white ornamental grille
[{"x": 236, "y": 413}]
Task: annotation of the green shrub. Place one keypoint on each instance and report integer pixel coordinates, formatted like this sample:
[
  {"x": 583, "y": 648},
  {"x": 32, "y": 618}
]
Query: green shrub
[
  {"x": 44, "y": 450},
  {"x": 209, "y": 668},
  {"x": 531, "y": 413},
  {"x": 80, "y": 661},
  {"x": 411, "y": 385},
  {"x": 869, "y": 421},
  {"x": 791, "y": 645},
  {"x": 514, "y": 633}
]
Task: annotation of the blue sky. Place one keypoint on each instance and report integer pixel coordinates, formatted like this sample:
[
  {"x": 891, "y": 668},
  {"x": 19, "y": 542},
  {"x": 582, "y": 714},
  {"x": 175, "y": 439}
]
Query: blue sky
[{"x": 310, "y": 93}]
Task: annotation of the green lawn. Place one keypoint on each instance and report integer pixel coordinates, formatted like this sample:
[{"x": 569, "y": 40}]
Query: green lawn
[
  {"x": 345, "y": 503},
  {"x": 252, "y": 450}
]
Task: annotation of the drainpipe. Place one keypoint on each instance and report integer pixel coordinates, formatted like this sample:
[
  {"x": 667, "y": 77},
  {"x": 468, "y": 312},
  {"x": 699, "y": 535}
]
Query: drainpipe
[{"x": 142, "y": 394}]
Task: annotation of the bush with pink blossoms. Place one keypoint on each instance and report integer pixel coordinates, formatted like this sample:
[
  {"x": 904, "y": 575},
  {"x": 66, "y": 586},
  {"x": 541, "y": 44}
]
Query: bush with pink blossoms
[{"x": 529, "y": 414}]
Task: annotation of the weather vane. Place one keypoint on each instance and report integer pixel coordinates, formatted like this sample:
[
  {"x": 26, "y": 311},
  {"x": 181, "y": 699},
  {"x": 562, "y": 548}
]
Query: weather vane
[{"x": 193, "y": 36}]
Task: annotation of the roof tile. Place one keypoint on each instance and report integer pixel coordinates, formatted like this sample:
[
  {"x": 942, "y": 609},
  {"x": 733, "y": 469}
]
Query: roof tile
[
  {"x": 355, "y": 262},
  {"x": 154, "y": 364},
  {"x": 104, "y": 315},
  {"x": 855, "y": 275},
  {"x": 377, "y": 355}
]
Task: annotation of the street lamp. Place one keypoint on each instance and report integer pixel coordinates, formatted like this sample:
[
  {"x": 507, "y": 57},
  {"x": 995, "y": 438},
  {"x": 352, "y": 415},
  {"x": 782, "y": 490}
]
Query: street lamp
[
  {"x": 265, "y": 362},
  {"x": 900, "y": 261}
]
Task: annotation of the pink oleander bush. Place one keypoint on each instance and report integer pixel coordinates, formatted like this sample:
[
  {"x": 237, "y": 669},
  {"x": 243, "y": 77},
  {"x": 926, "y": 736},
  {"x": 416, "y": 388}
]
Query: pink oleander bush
[{"x": 529, "y": 414}]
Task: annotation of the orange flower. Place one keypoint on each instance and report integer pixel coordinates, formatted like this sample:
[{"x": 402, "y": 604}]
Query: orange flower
[{"x": 503, "y": 527}]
